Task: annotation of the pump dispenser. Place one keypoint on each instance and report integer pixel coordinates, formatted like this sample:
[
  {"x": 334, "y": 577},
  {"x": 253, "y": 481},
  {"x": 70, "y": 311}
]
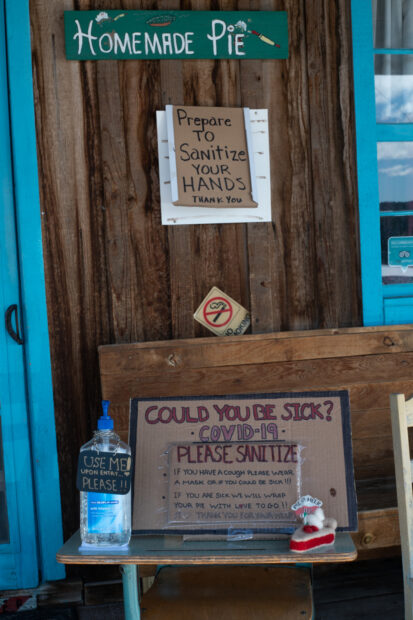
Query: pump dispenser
[
  {"x": 105, "y": 518},
  {"x": 105, "y": 422}
]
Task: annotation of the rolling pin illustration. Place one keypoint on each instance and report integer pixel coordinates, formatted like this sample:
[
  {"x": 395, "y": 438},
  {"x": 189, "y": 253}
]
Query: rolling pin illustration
[
  {"x": 264, "y": 39},
  {"x": 241, "y": 25}
]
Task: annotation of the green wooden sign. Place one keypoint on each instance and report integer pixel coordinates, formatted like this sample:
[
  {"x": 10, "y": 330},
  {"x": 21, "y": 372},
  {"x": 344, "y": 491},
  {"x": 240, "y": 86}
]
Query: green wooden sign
[{"x": 120, "y": 35}]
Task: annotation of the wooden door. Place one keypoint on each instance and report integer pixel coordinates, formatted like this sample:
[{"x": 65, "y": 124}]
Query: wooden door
[{"x": 18, "y": 547}]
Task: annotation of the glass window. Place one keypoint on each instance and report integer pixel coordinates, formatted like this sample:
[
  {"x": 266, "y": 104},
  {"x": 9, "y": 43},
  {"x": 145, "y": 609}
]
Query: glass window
[
  {"x": 395, "y": 169},
  {"x": 393, "y": 24},
  {"x": 396, "y": 249},
  {"x": 393, "y": 83},
  {"x": 4, "y": 523}
]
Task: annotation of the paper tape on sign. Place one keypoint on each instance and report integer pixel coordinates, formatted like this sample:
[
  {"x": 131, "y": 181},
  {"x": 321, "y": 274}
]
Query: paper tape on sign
[{"x": 222, "y": 315}]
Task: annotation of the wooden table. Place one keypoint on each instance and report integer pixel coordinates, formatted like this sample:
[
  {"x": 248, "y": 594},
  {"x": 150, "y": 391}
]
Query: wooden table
[{"x": 167, "y": 550}]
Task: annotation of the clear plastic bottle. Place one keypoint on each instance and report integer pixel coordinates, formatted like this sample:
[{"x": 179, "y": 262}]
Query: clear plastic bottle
[{"x": 105, "y": 518}]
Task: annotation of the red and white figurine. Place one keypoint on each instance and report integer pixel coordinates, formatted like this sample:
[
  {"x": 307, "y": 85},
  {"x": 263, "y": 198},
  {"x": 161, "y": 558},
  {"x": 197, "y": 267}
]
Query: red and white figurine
[{"x": 316, "y": 530}]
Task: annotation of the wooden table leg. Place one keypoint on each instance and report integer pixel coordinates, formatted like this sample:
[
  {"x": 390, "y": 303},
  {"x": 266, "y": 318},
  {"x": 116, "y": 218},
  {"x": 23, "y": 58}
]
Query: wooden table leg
[{"x": 130, "y": 591}]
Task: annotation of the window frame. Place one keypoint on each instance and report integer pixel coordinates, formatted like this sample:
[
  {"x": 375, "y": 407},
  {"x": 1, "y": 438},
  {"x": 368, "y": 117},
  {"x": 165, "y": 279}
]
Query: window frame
[{"x": 378, "y": 298}]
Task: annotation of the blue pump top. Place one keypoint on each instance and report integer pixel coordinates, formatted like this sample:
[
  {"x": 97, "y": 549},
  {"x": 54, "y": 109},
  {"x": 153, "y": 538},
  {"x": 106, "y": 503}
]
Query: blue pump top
[{"x": 105, "y": 422}]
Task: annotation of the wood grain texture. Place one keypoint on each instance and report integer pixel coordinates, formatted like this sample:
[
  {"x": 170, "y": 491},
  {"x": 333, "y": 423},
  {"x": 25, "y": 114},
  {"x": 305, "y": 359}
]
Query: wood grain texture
[
  {"x": 245, "y": 593},
  {"x": 115, "y": 275},
  {"x": 71, "y": 197},
  {"x": 279, "y": 377},
  {"x": 377, "y": 529},
  {"x": 331, "y": 133},
  {"x": 153, "y": 357},
  {"x": 277, "y": 250},
  {"x": 278, "y": 363}
]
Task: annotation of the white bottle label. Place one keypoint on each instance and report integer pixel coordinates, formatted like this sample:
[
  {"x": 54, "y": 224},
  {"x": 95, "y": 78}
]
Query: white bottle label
[{"x": 104, "y": 513}]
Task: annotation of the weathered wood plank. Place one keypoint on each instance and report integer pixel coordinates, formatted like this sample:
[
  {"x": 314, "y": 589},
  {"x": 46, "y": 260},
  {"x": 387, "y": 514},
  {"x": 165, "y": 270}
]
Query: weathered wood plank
[
  {"x": 284, "y": 376},
  {"x": 380, "y": 607},
  {"x": 375, "y": 396},
  {"x": 377, "y": 528},
  {"x": 367, "y": 377},
  {"x": 73, "y": 234},
  {"x": 359, "y": 580},
  {"x": 182, "y": 295},
  {"x": 201, "y": 257},
  {"x": 287, "y": 245},
  {"x": 217, "y": 252},
  {"x": 371, "y": 423},
  {"x": 328, "y": 45},
  {"x": 186, "y": 592},
  {"x": 373, "y": 458},
  {"x": 127, "y": 99},
  {"x": 374, "y": 491},
  {"x": 255, "y": 349}
]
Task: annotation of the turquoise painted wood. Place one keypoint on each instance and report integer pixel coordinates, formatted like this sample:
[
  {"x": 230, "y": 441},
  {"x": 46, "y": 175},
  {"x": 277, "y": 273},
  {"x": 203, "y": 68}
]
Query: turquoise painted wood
[
  {"x": 398, "y": 310},
  {"x": 33, "y": 298},
  {"x": 362, "y": 32},
  {"x": 130, "y": 592},
  {"x": 18, "y": 558},
  {"x": 395, "y": 213},
  {"x": 397, "y": 290},
  {"x": 397, "y": 50},
  {"x": 382, "y": 304},
  {"x": 391, "y": 132}
]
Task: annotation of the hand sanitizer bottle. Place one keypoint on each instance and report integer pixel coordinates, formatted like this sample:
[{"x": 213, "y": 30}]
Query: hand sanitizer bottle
[{"x": 105, "y": 518}]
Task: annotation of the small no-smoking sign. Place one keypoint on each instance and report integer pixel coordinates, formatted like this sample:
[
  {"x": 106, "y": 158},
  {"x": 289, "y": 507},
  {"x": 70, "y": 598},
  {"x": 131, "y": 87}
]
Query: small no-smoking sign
[
  {"x": 222, "y": 315},
  {"x": 218, "y": 311}
]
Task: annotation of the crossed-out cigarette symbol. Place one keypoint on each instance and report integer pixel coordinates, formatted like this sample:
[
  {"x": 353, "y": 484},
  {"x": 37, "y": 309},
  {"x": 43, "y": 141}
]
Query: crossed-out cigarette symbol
[{"x": 218, "y": 311}]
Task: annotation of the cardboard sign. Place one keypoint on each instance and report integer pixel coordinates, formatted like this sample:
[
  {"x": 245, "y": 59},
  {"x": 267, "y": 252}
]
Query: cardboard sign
[
  {"x": 104, "y": 472},
  {"x": 215, "y": 483},
  {"x": 207, "y": 464},
  {"x": 119, "y": 34},
  {"x": 209, "y": 157},
  {"x": 222, "y": 315},
  {"x": 173, "y": 215}
]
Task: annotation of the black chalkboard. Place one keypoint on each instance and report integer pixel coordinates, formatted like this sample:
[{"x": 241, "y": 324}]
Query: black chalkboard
[{"x": 104, "y": 472}]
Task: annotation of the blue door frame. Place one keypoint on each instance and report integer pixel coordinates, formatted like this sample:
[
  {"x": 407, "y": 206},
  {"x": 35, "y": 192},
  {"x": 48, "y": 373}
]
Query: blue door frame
[
  {"x": 44, "y": 493},
  {"x": 382, "y": 303},
  {"x": 18, "y": 553}
]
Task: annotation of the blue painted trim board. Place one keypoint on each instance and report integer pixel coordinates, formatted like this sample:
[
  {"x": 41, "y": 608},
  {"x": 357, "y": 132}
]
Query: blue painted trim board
[
  {"x": 393, "y": 50},
  {"x": 398, "y": 310},
  {"x": 397, "y": 290},
  {"x": 39, "y": 383},
  {"x": 362, "y": 32},
  {"x": 395, "y": 213},
  {"x": 390, "y": 132},
  {"x": 18, "y": 559}
]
